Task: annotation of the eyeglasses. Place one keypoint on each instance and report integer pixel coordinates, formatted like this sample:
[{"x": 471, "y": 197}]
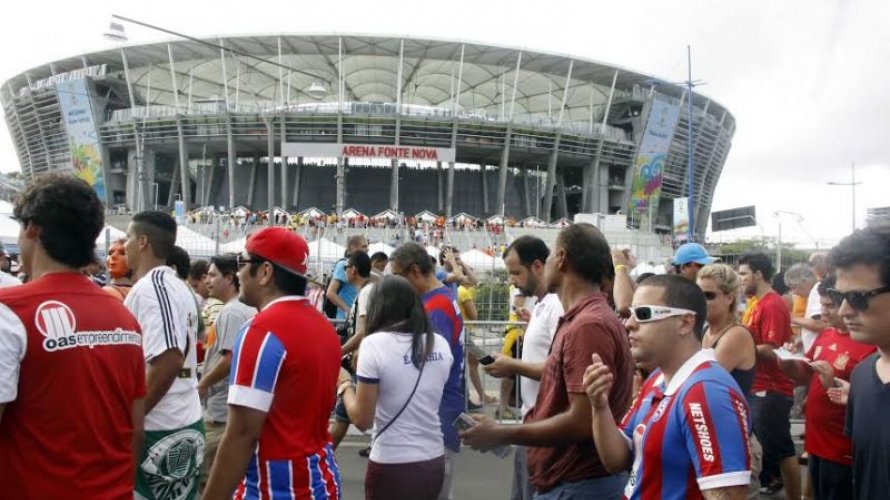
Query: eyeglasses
[
  {"x": 648, "y": 314},
  {"x": 710, "y": 295},
  {"x": 858, "y": 300},
  {"x": 243, "y": 261}
]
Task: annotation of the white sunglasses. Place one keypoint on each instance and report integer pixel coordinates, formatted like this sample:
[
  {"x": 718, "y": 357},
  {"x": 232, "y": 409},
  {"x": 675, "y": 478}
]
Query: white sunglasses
[{"x": 648, "y": 314}]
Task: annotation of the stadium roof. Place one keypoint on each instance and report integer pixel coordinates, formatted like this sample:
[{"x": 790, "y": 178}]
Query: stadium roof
[{"x": 370, "y": 74}]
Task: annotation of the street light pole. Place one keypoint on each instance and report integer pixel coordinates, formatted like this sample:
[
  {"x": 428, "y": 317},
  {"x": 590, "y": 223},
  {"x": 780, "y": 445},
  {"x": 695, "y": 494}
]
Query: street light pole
[{"x": 852, "y": 185}]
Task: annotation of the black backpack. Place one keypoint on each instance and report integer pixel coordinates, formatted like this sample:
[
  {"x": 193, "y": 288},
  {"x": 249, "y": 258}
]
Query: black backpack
[{"x": 328, "y": 307}]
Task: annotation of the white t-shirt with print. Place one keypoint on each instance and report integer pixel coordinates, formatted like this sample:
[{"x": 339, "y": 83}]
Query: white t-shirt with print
[
  {"x": 416, "y": 435},
  {"x": 166, "y": 310},
  {"x": 536, "y": 343}
]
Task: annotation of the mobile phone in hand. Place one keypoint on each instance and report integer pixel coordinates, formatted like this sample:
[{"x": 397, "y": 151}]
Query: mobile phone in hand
[
  {"x": 464, "y": 422},
  {"x": 486, "y": 360}
]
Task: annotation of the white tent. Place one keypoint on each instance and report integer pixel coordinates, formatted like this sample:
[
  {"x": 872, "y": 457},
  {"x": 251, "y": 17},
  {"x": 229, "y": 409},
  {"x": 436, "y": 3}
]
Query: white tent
[
  {"x": 240, "y": 211},
  {"x": 379, "y": 247},
  {"x": 426, "y": 216},
  {"x": 196, "y": 244},
  {"x": 351, "y": 213},
  {"x": 312, "y": 212},
  {"x": 532, "y": 222},
  {"x": 235, "y": 246},
  {"x": 388, "y": 214},
  {"x": 113, "y": 234},
  {"x": 9, "y": 230},
  {"x": 561, "y": 222},
  {"x": 495, "y": 220},
  {"x": 462, "y": 217},
  {"x": 325, "y": 249},
  {"x": 5, "y": 207},
  {"x": 478, "y": 260}
]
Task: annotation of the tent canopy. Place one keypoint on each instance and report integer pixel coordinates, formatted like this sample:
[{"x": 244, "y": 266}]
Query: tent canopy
[
  {"x": 462, "y": 217},
  {"x": 352, "y": 213},
  {"x": 196, "y": 244},
  {"x": 380, "y": 247},
  {"x": 312, "y": 212},
  {"x": 388, "y": 214},
  {"x": 478, "y": 260},
  {"x": 426, "y": 216},
  {"x": 325, "y": 249}
]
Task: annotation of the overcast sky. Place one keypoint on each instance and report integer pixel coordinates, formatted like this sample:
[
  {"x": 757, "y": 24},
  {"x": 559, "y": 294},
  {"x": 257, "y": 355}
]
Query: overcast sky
[{"x": 807, "y": 81}]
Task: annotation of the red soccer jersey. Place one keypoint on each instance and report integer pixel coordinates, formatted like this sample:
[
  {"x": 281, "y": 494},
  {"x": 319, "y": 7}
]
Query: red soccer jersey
[
  {"x": 71, "y": 366},
  {"x": 285, "y": 363},
  {"x": 824, "y": 419},
  {"x": 771, "y": 324}
]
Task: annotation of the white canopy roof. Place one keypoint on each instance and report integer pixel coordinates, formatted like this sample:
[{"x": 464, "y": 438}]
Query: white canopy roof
[
  {"x": 9, "y": 230},
  {"x": 496, "y": 220},
  {"x": 325, "y": 249},
  {"x": 461, "y": 217},
  {"x": 388, "y": 214},
  {"x": 312, "y": 212},
  {"x": 195, "y": 243},
  {"x": 532, "y": 222},
  {"x": 113, "y": 234},
  {"x": 379, "y": 247},
  {"x": 478, "y": 260},
  {"x": 352, "y": 213},
  {"x": 234, "y": 246},
  {"x": 426, "y": 216}
]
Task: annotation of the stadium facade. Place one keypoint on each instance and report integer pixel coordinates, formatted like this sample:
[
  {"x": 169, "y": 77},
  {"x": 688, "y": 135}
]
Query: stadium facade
[{"x": 368, "y": 122}]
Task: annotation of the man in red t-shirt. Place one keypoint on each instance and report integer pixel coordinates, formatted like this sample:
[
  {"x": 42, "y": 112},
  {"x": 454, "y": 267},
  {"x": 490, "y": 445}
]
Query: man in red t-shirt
[
  {"x": 833, "y": 356},
  {"x": 72, "y": 377},
  {"x": 772, "y": 392}
]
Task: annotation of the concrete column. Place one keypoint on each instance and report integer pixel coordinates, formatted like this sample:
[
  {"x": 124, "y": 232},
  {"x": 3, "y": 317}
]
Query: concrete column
[
  {"x": 483, "y": 171},
  {"x": 270, "y": 172},
  {"x": 394, "y": 187},
  {"x": 297, "y": 175},
  {"x": 502, "y": 177},
  {"x": 232, "y": 160},
  {"x": 252, "y": 185},
  {"x": 440, "y": 206},
  {"x": 341, "y": 185},
  {"x": 523, "y": 187},
  {"x": 174, "y": 185},
  {"x": 563, "y": 206},
  {"x": 283, "y": 132},
  {"x": 183, "y": 161},
  {"x": 587, "y": 188},
  {"x": 449, "y": 197},
  {"x": 551, "y": 181},
  {"x": 209, "y": 185}
]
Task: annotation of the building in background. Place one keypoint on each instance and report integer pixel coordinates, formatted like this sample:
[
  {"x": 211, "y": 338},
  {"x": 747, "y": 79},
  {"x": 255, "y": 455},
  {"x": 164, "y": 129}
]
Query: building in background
[{"x": 371, "y": 123}]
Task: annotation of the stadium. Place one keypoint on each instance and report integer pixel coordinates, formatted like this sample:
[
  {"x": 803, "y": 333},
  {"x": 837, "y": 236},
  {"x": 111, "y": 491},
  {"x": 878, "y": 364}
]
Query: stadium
[{"x": 369, "y": 123}]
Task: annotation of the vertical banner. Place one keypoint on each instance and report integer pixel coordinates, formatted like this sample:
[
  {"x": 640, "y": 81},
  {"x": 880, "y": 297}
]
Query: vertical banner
[
  {"x": 83, "y": 137},
  {"x": 681, "y": 219},
  {"x": 179, "y": 211},
  {"x": 650, "y": 160}
]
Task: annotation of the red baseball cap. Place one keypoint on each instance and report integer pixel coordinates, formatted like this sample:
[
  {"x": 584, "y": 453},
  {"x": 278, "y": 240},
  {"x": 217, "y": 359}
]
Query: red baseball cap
[{"x": 282, "y": 247}]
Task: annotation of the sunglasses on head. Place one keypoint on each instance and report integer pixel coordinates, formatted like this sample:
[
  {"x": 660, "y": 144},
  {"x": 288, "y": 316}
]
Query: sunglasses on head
[
  {"x": 648, "y": 314},
  {"x": 858, "y": 300}
]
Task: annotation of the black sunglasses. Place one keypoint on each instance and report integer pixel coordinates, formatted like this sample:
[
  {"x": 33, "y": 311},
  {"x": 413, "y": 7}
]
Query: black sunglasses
[
  {"x": 242, "y": 261},
  {"x": 858, "y": 300}
]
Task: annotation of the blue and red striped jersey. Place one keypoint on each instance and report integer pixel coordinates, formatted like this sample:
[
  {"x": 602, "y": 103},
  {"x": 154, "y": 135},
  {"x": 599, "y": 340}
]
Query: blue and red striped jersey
[
  {"x": 689, "y": 436},
  {"x": 286, "y": 362},
  {"x": 444, "y": 314}
]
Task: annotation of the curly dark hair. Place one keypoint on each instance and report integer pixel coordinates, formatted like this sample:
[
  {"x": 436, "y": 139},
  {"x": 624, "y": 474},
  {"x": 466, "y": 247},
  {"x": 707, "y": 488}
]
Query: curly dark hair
[
  {"x": 69, "y": 214},
  {"x": 869, "y": 246}
]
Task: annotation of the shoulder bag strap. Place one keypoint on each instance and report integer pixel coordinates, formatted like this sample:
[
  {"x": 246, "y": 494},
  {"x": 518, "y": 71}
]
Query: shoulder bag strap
[{"x": 399, "y": 413}]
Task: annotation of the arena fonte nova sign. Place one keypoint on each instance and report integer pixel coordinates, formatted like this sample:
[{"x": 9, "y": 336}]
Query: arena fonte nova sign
[{"x": 377, "y": 151}]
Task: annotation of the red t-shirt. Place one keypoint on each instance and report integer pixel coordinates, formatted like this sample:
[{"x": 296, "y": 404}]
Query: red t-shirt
[
  {"x": 78, "y": 366},
  {"x": 588, "y": 327},
  {"x": 771, "y": 324},
  {"x": 824, "y": 419}
]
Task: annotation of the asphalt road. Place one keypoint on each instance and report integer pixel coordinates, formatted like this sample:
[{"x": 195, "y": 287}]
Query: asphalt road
[{"x": 478, "y": 476}]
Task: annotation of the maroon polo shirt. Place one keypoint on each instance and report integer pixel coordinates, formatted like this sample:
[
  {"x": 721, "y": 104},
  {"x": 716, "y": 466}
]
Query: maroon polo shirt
[{"x": 591, "y": 326}]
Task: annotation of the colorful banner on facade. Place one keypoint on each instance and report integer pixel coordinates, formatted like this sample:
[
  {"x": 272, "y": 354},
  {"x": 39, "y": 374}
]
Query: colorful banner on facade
[
  {"x": 83, "y": 137},
  {"x": 681, "y": 219},
  {"x": 651, "y": 157}
]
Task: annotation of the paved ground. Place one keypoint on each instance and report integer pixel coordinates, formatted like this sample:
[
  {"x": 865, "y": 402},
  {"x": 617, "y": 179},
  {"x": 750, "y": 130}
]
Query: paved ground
[{"x": 479, "y": 476}]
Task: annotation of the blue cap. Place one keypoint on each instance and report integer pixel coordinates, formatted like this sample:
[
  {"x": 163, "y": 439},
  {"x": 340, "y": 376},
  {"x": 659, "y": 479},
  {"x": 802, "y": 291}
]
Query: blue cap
[{"x": 692, "y": 253}]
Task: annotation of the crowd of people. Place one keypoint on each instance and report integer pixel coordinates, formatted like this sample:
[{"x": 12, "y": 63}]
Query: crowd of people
[{"x": 174, "y": 379}]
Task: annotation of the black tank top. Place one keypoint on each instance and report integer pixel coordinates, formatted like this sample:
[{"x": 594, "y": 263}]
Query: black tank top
[{"x": 745, "y": 378}]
